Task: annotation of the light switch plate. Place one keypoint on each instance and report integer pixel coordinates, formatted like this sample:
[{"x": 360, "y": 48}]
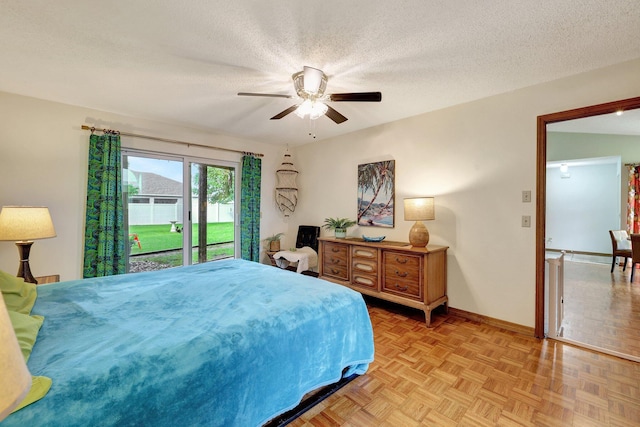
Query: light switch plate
[
  {"x": 526, "y": 221},
  {"x": 526, "y": 196}
]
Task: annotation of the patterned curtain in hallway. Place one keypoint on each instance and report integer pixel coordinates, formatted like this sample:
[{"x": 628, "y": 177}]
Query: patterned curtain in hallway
[
  {"x": 104, "y": 240},
  {"x": 250, "y": 208},
  {"x": 633, "y": 203}
]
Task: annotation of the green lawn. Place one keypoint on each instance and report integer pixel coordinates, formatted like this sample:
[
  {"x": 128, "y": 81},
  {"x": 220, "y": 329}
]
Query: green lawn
[{"x": 160, "y": 238}]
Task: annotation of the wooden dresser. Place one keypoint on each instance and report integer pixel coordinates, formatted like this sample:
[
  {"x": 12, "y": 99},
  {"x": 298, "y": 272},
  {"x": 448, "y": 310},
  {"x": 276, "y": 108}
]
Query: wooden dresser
[{"x": 392, "y": 271}]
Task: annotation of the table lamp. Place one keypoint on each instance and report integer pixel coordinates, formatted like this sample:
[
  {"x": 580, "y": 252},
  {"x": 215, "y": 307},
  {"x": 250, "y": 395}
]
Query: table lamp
[
  {"x": 15, "y": 379},
  {"x": 419, "y": 209},
  {"x": 24, "y": 224}
]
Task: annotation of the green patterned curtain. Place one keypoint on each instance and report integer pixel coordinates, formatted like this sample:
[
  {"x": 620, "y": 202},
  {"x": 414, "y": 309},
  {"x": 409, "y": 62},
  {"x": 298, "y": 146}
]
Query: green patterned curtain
[
  {"x": 250, "y": 208},
  {"x": 104, "y": 240}
]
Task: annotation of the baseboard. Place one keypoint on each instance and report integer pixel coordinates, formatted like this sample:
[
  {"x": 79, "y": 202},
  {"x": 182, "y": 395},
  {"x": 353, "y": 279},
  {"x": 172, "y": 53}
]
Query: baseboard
[{"x": 513, "y": 327}]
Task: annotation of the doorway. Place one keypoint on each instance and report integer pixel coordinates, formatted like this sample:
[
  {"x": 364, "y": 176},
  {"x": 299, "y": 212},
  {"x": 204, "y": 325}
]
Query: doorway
[
  {"x": 600, "y": 112},
  {"x": 178, "y": 210}
]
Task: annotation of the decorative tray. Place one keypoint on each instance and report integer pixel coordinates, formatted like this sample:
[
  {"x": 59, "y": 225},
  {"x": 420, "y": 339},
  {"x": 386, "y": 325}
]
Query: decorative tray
[{"x": 373, "y": 239}]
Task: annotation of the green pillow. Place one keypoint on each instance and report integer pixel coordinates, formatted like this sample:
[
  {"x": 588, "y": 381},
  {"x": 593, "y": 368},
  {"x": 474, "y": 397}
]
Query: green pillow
[
  {"x": 26, "y": 328},
  {"x": 39, "y": 387},
  {"x": 19, "y": 296}
]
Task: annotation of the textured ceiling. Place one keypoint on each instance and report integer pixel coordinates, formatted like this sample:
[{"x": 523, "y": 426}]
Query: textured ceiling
[{"x": 184, "y": 61}]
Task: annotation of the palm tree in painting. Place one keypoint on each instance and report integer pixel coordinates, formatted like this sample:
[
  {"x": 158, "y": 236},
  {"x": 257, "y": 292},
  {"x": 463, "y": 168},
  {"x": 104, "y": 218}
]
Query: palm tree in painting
[{"x": 375, "y": 178}]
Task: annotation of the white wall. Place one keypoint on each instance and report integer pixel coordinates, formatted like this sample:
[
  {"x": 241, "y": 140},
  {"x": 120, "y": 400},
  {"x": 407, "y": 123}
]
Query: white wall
[
  {"x": 43, "y": 162},
  {"x": 582, "y": 208},
  {"x": 569, "y": 145},
  {"x": 476, "y": 159}
]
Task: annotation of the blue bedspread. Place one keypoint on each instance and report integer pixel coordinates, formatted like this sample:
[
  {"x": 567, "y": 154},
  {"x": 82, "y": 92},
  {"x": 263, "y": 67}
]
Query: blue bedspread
[{"x": 225, "y": 343}]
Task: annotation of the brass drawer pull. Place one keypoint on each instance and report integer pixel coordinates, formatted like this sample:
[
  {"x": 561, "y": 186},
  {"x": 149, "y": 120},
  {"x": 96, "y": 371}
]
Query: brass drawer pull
[
  {"x": 401, "y": 288},
  {"x": 334, "y": 271},
  {"x": 335, "y": 249},
  {"x": 401, "y": 261},
  {"x": 403, "y": 274},
  {"x": 335, "y": 260}
]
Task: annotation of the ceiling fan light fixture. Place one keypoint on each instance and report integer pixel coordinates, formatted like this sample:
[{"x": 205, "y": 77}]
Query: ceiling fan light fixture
[
  {"x": 318, "y": 110},
  {"x": 313, "y": 109},
  {"x": 310, "y": 85},
  {"x": 312, "y": 79},
  {"x": 310, "y": 82}
]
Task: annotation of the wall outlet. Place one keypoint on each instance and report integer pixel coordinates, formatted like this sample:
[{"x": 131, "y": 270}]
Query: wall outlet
[
  {"x": 526, "y": 220},
  {"x": 526, "y": 196}
]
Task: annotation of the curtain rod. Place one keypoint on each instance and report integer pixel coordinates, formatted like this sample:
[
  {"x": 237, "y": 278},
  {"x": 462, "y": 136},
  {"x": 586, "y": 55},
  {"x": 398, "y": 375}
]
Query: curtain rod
[{"x": 172, "y": 141}]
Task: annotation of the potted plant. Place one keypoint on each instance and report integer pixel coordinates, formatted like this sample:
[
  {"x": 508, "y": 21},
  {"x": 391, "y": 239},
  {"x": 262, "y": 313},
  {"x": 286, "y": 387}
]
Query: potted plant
[
  {"x": 339, "y": 225},
  {"x": 274, "y": 242}
]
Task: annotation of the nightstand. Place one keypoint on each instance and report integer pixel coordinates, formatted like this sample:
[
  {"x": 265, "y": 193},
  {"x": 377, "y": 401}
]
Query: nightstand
[
  {"x": 273, "y": 261},
  {"x": 48, "y": 279}
]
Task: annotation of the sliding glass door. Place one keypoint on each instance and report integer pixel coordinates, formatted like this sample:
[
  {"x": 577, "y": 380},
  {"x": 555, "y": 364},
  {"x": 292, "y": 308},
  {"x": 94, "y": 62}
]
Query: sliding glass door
[
  {"x": 212, "y": 212},
  {"x": 179, "y": 211}
]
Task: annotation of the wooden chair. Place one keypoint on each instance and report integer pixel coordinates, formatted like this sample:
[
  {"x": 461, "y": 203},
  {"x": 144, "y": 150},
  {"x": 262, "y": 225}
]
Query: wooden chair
[
  {"x": 621, "y": 247},
  {"x": 308, "y": 236},
  {"x": 635, "y": 252}
]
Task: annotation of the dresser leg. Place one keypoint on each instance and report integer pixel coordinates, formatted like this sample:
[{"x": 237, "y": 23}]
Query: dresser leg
[{"x": 427, "y": 317}]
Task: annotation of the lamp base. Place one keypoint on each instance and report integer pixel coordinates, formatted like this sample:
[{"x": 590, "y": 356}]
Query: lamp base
[
  {"x": 24, "y": 271},
  {"x": 419, "y": 235}
]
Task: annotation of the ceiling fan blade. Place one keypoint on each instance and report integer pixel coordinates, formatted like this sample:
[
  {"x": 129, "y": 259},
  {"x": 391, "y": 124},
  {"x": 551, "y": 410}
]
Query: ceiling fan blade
[
  {"x": 356, "y": 97},
  {"x": 284, "y": 113},
  {"x": 271, "y": 95},
  {"x": 335, "y": 116},
  {"x": 312, "y": 79}
]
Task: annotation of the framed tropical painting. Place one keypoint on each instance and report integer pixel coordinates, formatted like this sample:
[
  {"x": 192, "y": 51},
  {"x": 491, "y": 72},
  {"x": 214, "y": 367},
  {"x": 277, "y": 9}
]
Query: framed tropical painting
[{"x": 376, "y": 193}]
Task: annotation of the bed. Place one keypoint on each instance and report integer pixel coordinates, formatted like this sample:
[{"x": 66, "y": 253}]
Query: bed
[{"x": 225, "y": 343}]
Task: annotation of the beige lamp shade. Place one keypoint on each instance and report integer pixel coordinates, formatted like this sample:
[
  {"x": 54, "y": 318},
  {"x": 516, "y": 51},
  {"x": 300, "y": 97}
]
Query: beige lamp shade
[
  {"x": 22, "y": 223},
  {"x": 15, "y": 379},
  {"x": 419, "y": 209}
]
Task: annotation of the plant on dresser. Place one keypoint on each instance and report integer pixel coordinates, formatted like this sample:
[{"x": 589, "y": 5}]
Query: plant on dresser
[
  {"x": 393, "y": 271},
  {"x": 339, "y": 226}
]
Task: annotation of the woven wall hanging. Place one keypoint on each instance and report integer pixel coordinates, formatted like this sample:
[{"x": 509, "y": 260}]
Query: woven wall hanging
[{"x": 286, "y": 187}]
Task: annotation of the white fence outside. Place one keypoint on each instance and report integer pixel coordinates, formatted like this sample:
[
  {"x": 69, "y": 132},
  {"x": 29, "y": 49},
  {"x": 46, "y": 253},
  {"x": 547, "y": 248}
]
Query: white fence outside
[{"x": 160, "y": 213}]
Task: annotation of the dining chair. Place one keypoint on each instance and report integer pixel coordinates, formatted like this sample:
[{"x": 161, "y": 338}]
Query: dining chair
[
  {"x": 635, "y": 252},
  {"x": 621, "y": 247}
]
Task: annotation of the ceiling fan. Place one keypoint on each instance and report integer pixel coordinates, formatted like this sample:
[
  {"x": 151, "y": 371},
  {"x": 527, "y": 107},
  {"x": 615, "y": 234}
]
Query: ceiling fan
[{"x": 310, "y": 84}]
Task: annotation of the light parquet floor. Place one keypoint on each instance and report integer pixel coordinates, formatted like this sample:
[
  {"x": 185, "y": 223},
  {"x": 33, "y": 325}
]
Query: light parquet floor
[
  {"x": 461, "y": 373},
  {"x": 602, "y": 308}
]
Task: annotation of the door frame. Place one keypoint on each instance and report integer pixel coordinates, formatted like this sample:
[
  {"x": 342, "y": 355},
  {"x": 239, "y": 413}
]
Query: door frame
[{"x": 541, "y": 183}]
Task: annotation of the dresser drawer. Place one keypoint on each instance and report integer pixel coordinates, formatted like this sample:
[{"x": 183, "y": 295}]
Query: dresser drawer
[
  {"x": 339, "y": 272},
  {"x": 365, "y": 280},
  {"x": 406, "y": 288},
  {"x": 364, "y": 266},
  {"x": 364, "y": 252},
  {"x": 402, "y": 272},
  {"x": 334, "y": 255}
]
